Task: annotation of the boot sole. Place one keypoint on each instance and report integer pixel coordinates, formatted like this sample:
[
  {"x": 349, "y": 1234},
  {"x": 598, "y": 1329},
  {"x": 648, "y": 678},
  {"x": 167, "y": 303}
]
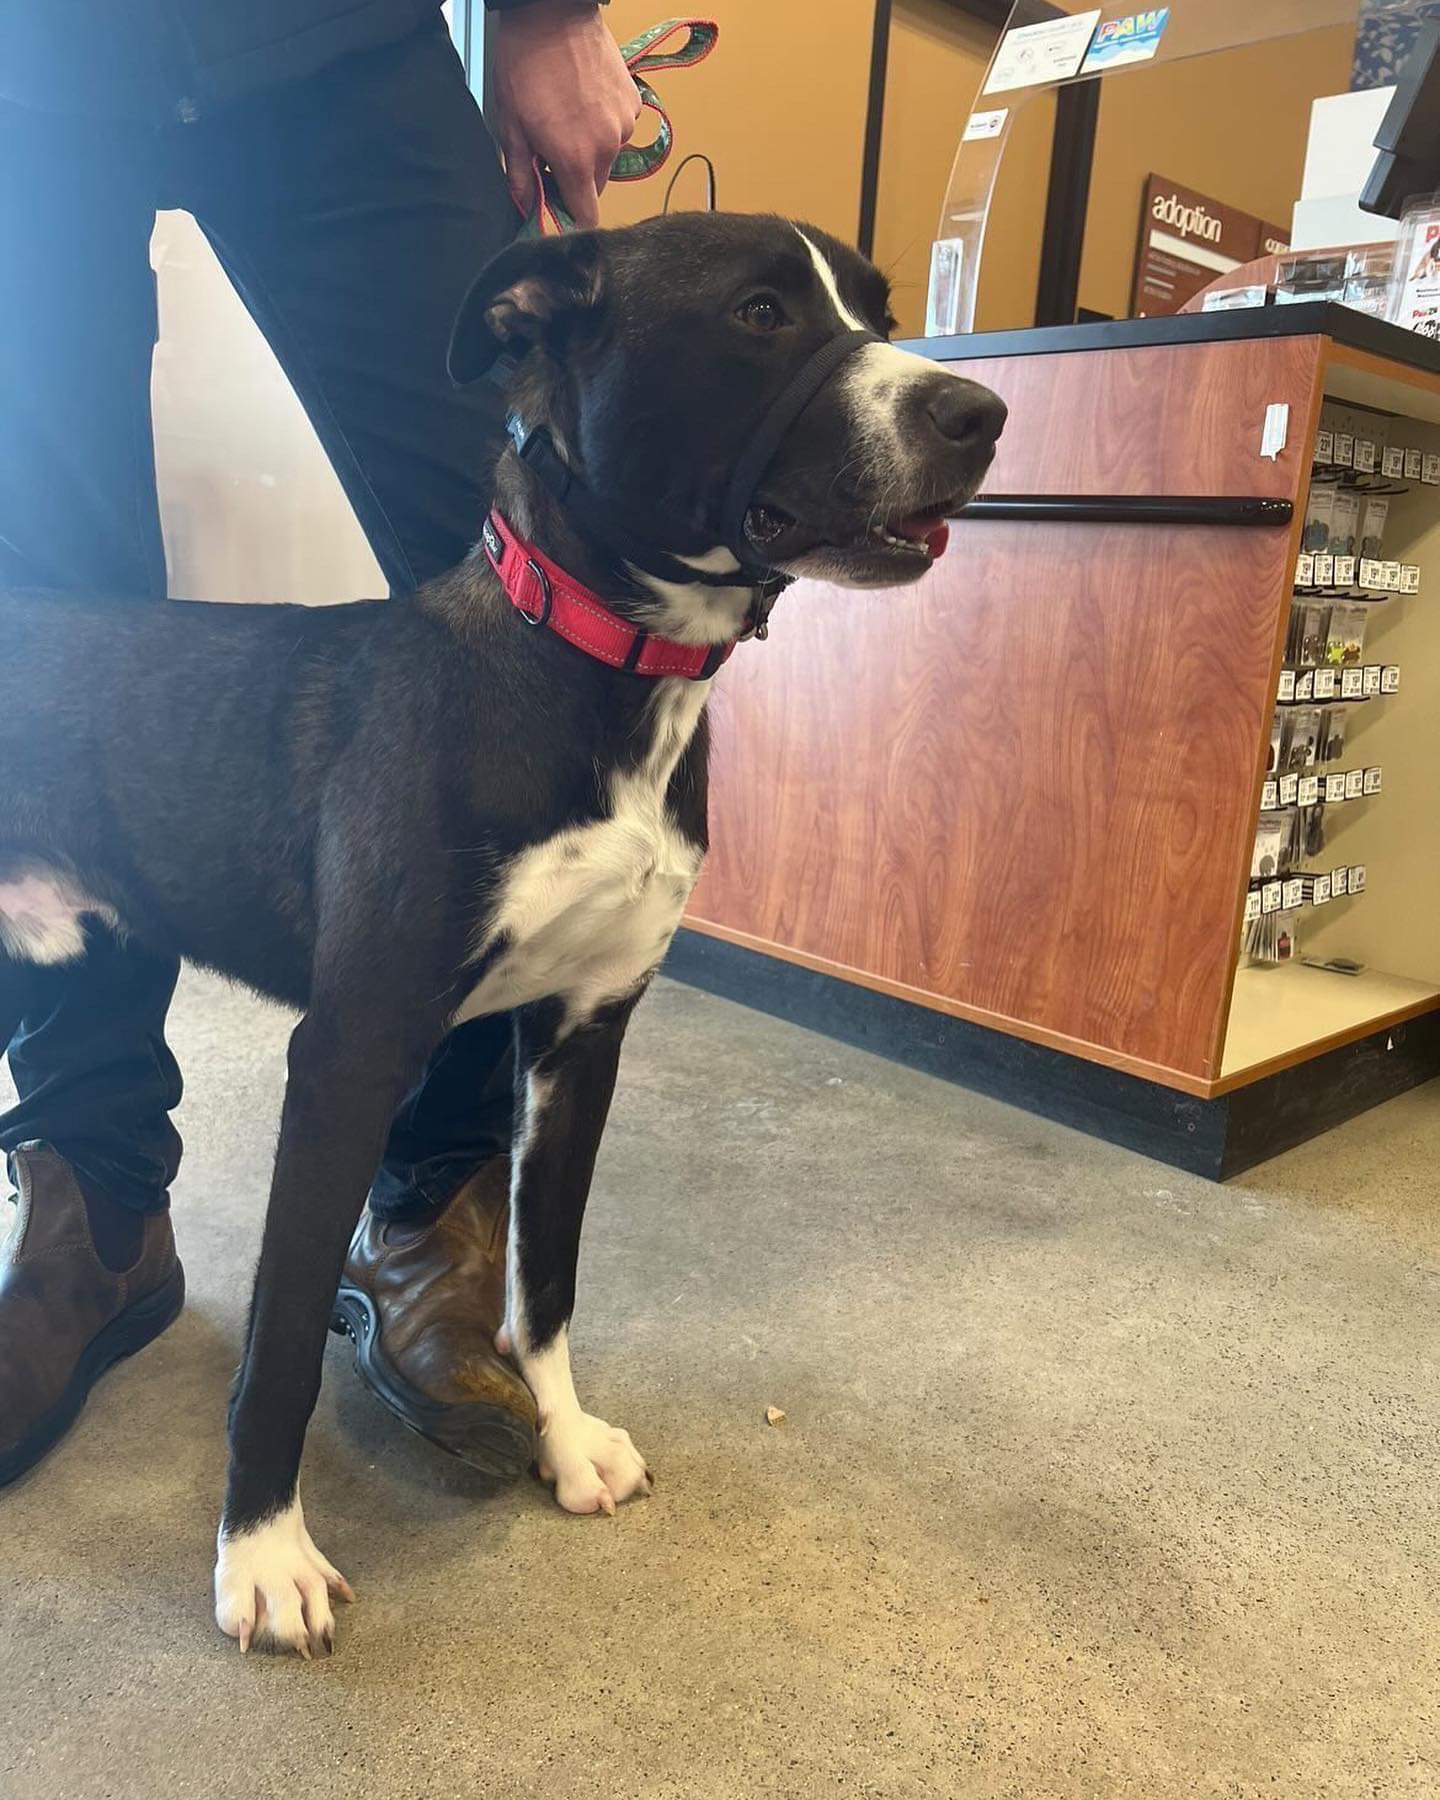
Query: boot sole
[
  {"x": 130, "y": 1331},
  {"x": 498, "y": 1443}
]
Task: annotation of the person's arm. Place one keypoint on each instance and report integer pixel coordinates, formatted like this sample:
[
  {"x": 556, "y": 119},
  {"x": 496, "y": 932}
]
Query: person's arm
[{"x": 561, "y": 92}]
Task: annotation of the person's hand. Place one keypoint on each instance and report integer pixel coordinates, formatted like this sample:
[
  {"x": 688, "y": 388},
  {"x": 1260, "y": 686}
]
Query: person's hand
[{"x": 561, "y": 92}]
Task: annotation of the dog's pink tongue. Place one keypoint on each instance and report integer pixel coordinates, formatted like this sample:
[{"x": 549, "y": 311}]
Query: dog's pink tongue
[{"x": 925, "y": 529}]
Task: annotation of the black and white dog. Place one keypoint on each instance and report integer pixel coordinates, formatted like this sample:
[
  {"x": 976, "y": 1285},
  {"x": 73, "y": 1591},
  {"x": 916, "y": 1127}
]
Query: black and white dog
[{"x": 397, "y": 816}]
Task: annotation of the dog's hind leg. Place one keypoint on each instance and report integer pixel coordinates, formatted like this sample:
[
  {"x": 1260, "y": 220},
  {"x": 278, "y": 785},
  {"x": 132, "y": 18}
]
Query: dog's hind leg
[
  {"x": 350, "y": 1062},
  {"x": 564, "y": 1083}
]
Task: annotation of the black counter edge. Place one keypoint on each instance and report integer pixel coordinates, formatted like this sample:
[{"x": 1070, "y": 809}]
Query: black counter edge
[
  {"x": 1214, "y": 1138},
  {"x": 1324, "y": 318}
]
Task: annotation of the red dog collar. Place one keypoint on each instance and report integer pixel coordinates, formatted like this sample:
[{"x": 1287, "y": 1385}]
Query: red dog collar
[{"x": 543, "y": 594}]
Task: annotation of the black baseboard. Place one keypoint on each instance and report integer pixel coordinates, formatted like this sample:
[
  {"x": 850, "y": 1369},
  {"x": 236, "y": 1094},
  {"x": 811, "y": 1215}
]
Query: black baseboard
[{"x": 1216, "y": 1138}]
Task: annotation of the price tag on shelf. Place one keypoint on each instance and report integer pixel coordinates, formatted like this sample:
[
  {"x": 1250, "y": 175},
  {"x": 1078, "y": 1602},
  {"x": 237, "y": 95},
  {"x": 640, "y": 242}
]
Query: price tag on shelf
[
  {"x": 1390, "y": 679},
  {"x": 1367, "y": 453},
  {"x": 1324, "y": 570},
  {"x": 1371, "y": 673},
  {"x": 1327, "y": 683},
  {"x": 1430, "y": 471},
  {"x": 1390, "y": 577},
  {"x": 1334, "y": 789},
  {"x": 1372, "y": 780},
  {"x": 1294, "y": 894},
  {"x": 1304, "y": 686},
  {"x": 1371, "y": 572},
  {"x": 1414, "y": 465},
  {"x": 1352, "y": 683},
  {"x": 1357, "y": 879},
  {"x": 1409, "y": 578},
  {"x": 1269, "y": 794},
  {"x": 1289, "y": 789},
  {"x": 1344, "y": 450},
  {"x": 1285, "y": 693},
  {"x": 1305, "y": 569},
  {"x": 1344, "y": 571},
  {"x": 1271, "y": 896},
  {"x": 1252, "y": 905},
  {"x": 1308, "y": 792},
  {"x": 1354, "y": 784},
  {"x": 1325, "y": 447},
  {"x": 1392, "y": 463},
  {"x": 1320, "y": 891},
  {"x": 1339, "y": 882}
]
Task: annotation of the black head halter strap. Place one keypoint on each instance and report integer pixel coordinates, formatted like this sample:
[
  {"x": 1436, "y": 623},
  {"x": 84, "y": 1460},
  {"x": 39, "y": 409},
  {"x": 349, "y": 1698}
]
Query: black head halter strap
[{"x": 627, "y": 534}]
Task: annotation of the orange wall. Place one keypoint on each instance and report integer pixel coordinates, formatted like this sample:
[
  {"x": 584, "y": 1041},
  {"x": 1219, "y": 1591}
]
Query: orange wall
[{"x": 779, "y": 106}]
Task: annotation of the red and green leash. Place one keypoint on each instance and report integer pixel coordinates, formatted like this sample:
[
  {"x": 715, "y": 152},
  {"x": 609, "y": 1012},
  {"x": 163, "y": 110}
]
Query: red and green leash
[{"x": 653, "y": 51}]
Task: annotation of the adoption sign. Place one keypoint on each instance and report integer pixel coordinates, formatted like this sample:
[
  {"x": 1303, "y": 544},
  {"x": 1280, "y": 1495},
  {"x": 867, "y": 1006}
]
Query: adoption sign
[
  {"x": 1186, "y": 240},
  {"x": 1133, "y": 39}
]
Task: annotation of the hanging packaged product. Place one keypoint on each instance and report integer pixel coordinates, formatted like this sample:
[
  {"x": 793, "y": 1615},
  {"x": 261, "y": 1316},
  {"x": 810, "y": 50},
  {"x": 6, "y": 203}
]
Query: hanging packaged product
[
  {"x": 1345, "y": 641},
  {"x": 1345, "y": 523},
  {"x": 1302, "y": 738},
  {"x": 1269, "y": 841},
  {"x": 1372, "y": 532},
  {"x": 1319, "y": 509},
  {"x": 1314, "y": 631},
  {"x": 1333, "y": 722}
]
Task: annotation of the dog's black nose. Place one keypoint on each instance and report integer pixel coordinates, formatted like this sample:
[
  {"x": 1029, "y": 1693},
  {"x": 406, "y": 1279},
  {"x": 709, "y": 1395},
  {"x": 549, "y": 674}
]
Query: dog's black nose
[{"x": 969, "y": 415}]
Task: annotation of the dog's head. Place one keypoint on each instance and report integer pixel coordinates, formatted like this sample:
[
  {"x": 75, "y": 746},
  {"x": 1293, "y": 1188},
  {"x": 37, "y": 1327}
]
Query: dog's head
[{"x": 654, "y": 352}]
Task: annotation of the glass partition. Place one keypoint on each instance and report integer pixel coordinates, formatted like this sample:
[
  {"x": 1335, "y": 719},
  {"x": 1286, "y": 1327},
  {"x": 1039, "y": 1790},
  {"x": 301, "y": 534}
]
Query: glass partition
[{"x": 1047, "y": 49}]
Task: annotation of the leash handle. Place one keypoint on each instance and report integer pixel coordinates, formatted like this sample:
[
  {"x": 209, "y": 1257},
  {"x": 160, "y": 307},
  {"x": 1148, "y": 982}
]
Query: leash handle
[{"x": 654, "y": 49}]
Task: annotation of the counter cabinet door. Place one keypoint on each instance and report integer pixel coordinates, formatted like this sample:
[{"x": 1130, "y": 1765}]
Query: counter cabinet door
[{"x": 1023, "y": 789}]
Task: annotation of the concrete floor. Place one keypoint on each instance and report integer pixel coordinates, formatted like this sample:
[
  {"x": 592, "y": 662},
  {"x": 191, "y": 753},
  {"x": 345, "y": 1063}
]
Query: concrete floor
[{"x": 1096, "y": 1479}]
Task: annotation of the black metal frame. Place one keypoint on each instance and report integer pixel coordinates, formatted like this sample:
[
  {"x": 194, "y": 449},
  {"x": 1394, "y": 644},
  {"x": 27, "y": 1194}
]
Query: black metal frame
[{"x": 1072, "y": 159}]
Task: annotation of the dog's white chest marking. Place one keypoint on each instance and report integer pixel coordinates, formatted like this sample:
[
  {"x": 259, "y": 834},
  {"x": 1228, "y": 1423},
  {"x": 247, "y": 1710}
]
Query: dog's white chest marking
[
  {"x": 40, "y": 916},
  {"x": 588, "y": 913}
]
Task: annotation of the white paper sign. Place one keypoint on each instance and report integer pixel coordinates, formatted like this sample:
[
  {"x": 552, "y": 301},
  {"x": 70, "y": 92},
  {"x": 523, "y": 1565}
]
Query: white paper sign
[
  {"x": 1053, "y": 50},
  {"x": 1277, "y": 430},
  {"x": 985, "y": 125}
]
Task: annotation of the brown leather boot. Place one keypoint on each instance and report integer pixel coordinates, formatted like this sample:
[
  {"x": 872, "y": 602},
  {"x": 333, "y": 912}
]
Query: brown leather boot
[
  {"x": 422, "y": 1308},
  {"x": 65, "y": 1317}
]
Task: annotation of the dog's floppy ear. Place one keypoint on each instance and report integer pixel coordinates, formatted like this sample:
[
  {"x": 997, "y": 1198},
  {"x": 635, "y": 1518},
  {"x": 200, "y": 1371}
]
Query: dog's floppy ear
[{"x": 527, "y": 291}]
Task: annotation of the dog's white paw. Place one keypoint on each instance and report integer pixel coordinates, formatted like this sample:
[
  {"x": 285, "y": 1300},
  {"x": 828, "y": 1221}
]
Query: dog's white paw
[
  {"x": 273, "y": 1587},
  {"x": 594, "y": 1467}
]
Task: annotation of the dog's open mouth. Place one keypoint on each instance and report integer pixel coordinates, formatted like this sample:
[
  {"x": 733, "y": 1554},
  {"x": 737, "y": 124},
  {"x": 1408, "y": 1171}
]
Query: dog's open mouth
[{"x": 906, "y": 543}]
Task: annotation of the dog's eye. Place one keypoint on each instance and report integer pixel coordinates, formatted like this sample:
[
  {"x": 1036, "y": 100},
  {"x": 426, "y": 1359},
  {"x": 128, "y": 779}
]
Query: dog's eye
[{"x": 761, "y": 312}]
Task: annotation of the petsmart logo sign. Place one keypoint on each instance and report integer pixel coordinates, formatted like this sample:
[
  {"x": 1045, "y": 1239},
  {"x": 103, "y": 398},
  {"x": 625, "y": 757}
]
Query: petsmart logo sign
[{"x": 1135, "y": 38}]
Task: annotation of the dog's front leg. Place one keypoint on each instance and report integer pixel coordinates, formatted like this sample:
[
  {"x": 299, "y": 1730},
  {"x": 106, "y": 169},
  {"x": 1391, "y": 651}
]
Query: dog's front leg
[
  {"x": 564, "y": 1080},
  {"x": 349, "y": 1067}
]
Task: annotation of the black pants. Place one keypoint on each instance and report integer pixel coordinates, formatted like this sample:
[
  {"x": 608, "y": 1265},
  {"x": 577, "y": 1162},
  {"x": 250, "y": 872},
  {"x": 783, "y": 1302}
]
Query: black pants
[{"x": 351, "y": 211}]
